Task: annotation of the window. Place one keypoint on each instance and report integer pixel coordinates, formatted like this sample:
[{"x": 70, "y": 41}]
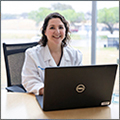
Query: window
[{"x": 20, "y": 23}]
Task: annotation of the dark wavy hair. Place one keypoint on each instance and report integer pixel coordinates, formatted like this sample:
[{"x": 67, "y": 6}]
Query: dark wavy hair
[{"x": 43, "y": 40}]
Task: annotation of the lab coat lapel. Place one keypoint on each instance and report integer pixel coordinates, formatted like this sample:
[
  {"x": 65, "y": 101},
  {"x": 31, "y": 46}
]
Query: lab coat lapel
[
  {"x": 65, "y": 61},
  {"x": 48, "y": 57},
  {"x": 52, "y": 63}
]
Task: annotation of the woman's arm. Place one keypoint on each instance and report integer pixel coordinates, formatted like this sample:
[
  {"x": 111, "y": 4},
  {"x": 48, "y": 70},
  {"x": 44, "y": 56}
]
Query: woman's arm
[{"x": 31, "y": 78}]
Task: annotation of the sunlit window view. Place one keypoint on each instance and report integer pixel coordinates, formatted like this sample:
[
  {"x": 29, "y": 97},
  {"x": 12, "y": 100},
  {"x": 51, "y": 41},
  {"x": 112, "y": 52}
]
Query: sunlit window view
[
  {"x": 21, "y": 22},
  {"x": 108, "y": 37}
]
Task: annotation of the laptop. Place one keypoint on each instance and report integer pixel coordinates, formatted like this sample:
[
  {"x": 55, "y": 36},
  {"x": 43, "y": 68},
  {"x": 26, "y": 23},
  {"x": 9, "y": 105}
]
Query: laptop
[{"x": 77, "y": 87}]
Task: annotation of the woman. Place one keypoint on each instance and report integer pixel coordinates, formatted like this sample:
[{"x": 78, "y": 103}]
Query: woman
[{"x": 52, "y": 51}]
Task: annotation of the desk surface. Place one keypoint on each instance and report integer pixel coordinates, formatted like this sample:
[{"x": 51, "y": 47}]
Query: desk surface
[{"x": 25, "y": 106}]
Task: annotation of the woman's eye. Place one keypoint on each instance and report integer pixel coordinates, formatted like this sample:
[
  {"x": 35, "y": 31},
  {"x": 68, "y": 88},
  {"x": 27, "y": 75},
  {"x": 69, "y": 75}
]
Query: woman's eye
[
  {"x": 60, "y": 27},
  {"x": 51, "y": 27}
]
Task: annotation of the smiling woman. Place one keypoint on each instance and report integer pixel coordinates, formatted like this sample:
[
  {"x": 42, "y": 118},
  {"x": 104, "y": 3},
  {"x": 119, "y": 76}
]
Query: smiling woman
[
  {"x": 54, "y": 26},
  {"x": 53, "y": 51},
  {"x": 19, "y": 30},
  {"x": 55, "y": 32}
]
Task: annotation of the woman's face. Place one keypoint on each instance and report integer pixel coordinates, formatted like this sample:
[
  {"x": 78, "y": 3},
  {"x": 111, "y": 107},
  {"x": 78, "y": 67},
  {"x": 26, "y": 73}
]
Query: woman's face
[{"x": 55, "y": 31}]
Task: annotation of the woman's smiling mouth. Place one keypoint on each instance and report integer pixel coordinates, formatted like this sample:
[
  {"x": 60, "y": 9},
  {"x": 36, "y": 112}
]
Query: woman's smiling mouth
[{"x": 56, "y": 37}]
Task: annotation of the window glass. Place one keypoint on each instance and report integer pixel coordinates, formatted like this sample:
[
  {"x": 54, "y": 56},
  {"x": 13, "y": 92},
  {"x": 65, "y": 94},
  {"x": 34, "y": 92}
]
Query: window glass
[
  {"x": 21, "y": 22},
  {"x": 107, "y": 51}
]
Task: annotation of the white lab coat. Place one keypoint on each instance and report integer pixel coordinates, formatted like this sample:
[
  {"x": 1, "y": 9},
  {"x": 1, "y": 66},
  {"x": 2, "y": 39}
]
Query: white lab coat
[{"x": 38, "y": 58}]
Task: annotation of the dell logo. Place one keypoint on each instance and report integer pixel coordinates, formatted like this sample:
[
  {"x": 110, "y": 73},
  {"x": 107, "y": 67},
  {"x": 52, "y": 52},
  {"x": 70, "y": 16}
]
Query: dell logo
[{"x": 80, "y": 88}]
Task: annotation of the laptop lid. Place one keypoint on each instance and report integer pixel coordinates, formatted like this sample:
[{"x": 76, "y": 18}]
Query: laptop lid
[{"x": 78, "y": 87}]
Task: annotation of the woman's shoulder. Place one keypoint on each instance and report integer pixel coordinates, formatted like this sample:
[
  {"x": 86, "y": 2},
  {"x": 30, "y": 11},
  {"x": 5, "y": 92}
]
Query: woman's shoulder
[
  {"x": 72, "y": 50},
  {"x": 74, "y": 54},
  {"x": 34, "y": 49}
]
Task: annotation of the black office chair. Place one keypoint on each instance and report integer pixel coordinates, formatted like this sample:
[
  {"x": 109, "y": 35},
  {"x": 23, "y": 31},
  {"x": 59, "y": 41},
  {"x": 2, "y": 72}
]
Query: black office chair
[{"x": 14, "y": 55}]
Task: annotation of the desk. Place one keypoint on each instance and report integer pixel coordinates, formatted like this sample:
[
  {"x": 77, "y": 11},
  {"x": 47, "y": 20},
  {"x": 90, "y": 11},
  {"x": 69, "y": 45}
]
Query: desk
[{"x": 25, "y": 106}]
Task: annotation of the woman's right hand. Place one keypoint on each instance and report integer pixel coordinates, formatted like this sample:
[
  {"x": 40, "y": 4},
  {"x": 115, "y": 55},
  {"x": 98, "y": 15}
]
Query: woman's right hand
[{"x": 41, "y": 91}]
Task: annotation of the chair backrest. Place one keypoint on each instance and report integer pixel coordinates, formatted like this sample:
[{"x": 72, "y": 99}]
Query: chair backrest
[{"x": 14, "y": 55}]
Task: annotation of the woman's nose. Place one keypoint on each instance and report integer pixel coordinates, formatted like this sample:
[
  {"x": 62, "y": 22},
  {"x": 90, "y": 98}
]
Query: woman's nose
[{"x": 57, "y": 31}]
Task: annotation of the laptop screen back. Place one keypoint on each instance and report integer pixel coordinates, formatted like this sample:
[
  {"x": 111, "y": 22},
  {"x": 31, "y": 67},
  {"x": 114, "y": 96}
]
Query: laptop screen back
[{"x": 76, "y": 87}]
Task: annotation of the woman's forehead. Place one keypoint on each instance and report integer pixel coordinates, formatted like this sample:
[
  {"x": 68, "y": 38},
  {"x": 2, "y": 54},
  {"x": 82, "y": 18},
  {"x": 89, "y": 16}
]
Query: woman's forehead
[{"x": 55, "y": 21}]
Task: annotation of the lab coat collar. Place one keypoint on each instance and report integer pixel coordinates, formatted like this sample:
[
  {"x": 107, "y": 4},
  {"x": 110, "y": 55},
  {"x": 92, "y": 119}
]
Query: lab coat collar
[
  {"x": 65, "y": 54},
  {"x": 48, "y": 56}
]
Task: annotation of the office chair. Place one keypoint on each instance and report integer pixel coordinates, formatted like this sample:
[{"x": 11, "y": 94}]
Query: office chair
[{"x": 14, "y": 55}]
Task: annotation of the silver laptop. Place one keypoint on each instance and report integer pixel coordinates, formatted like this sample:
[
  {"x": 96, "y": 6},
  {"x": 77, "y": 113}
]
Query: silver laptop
[{"x": 77, "y": 87}]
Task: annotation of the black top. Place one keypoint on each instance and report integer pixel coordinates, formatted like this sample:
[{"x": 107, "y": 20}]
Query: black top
[{"x": 60, "y": 58}]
